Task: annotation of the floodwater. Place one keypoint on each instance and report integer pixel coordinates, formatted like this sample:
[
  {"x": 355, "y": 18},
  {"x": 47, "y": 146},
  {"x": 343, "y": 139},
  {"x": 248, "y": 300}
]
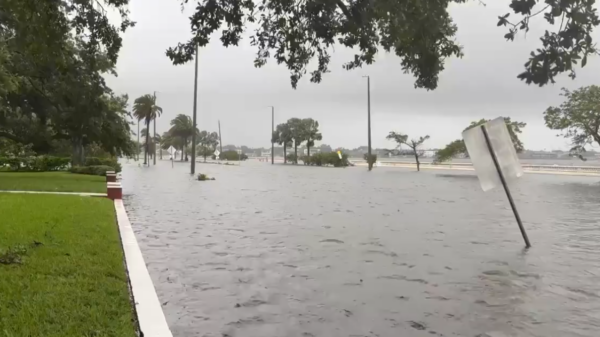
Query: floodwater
[
  {"x": 277, "y": 251},
  {"x": 526, "y": 161}
]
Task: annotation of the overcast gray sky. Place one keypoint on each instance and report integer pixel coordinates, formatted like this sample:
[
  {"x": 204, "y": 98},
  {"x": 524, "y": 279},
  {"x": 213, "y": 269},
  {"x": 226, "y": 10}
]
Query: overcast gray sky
[{"x": 482, "y": 84}]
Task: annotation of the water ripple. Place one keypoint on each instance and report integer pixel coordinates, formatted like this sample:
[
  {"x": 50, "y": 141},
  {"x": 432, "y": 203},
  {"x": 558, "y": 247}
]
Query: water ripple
[{"x": 300, "y": 251}]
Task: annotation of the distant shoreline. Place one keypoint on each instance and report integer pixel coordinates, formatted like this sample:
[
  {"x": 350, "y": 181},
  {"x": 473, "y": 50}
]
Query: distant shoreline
[{"x": 592, "y": 171}]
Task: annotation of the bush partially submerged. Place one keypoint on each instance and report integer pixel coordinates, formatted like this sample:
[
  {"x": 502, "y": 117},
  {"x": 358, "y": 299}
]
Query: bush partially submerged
[
  {"x": 326, "y": 159},
  {"x": 232, "y": 155},
  {"x": 204, "y": 177},
  {"x": 373, "y": 158}
]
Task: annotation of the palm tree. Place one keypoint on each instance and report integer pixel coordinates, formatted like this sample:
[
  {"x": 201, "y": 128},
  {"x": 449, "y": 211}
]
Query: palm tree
[
  {"x": 208, "y": 142},
  {"x": 283, "y": 136},
  {"x": 311, "y": 130},
  {"x": 144, "y": 107},
  {"x": 182, "y": 127},
  {"x": 297, "y": 133}
]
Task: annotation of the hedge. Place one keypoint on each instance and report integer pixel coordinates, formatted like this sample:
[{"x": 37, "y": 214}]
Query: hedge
[
  {"x": 326, "y": 158},
  {"x": 97, "y": 170},
  {"x": 232, "y": 155},
  {"x": 112, "y": 162},
  {"x": 50, "y": 163},
  {"x": 35, "y": 164}
]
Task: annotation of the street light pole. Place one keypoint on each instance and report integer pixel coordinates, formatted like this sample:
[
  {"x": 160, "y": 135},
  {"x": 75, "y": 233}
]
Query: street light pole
[
  {"x": 137, "y": 157},
  {"x": 369, "y": 160},
  {"x": 194, "y": 118},
  {"x": 220, "y": 139},
  {"x": 154, "y": 140},
  {"x": 272, "y": 131}
]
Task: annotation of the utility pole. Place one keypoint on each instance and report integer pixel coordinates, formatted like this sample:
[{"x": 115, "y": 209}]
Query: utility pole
[
  {"x": 154, "y": 140},
  {"x": 194, "y": 118},
  {"x": 272, "y": 131},
  {"x": 369, "y": 160},
  {"x": 220, "y": 139}
]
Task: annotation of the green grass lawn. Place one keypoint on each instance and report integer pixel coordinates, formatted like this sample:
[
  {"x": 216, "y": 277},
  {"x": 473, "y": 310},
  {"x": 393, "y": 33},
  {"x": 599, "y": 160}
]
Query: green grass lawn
[
  {"x": 61, "y": 268},
  {"x": 52, "y": 181}
]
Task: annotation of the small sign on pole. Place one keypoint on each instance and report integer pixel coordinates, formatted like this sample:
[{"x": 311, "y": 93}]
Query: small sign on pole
[
  {"x": 172, "y": 152},
  {"x": 495, "y": 160},
  {"x": 217, "y": 153},
  {"x": 339, "y": 154}
]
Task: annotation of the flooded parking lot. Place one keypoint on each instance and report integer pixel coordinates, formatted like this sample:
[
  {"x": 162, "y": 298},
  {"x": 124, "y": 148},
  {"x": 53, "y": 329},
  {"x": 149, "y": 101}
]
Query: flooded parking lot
[{"x": 278, "y": 250}]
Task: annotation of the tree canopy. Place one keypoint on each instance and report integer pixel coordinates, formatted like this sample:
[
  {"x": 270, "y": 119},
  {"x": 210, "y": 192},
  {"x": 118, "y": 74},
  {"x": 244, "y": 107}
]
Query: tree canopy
[
  {"x": 52, "y": 58},
  {"x": 577, "y": 118},
  {"x": 310, "y": 129},
  {"x": 182, "y": 127},
  {"x": 145, "y": 108},
  {"x": 208, "y": 142},
  {"x": 420, "y": 33}
]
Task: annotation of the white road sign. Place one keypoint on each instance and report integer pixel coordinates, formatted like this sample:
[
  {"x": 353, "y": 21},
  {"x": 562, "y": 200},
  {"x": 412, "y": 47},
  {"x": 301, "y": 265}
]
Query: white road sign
[
  {"x": 482, "y": 159},
  {"x": 217, "y": 153}
]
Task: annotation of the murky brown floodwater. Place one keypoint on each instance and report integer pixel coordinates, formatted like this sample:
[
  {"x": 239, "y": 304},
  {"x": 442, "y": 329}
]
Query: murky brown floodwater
[{"x": 280, "y": 251}]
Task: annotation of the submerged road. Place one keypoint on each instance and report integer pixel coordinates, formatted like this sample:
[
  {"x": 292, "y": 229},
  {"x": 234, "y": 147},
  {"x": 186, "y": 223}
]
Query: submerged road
[{"x": 271, "y": 251}]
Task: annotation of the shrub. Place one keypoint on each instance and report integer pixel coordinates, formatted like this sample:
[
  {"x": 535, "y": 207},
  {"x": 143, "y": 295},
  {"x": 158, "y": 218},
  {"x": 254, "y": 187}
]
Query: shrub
[
  {"x": 14, "y": 163},
  {"x": 373, "y": 158},
  {"x": 232, "y": 155},
  {"x": 95, "y": 161},
  {"x": 326, "y": 158},
  {"x": 97, "y": 170},
  {"x": 291, "y": 158},
  {"x": 336, "y": 161},
  {"x": 204, "y": 177},
  {"x": 37, "y": 164}
]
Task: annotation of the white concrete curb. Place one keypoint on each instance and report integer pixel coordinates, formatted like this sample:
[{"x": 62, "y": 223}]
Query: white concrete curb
[{"x": 149, "y": 311}]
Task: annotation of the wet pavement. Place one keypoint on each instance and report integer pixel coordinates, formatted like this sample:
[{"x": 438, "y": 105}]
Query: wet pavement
[{"x": 278, "y": 250}]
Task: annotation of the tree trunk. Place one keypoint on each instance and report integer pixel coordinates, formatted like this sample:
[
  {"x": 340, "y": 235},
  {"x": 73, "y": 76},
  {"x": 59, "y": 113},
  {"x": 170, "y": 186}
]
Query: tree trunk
[
  {"x": 308, "y": 150},
  {"x": 284, "y": 153},
  {"x": 185, "y": 147},
  {"x": 77, "y": 153},
  {"x": 146, "y": 161},
  {"x": 295, "y": 153},
  {"x": 418, "y": 163}
]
